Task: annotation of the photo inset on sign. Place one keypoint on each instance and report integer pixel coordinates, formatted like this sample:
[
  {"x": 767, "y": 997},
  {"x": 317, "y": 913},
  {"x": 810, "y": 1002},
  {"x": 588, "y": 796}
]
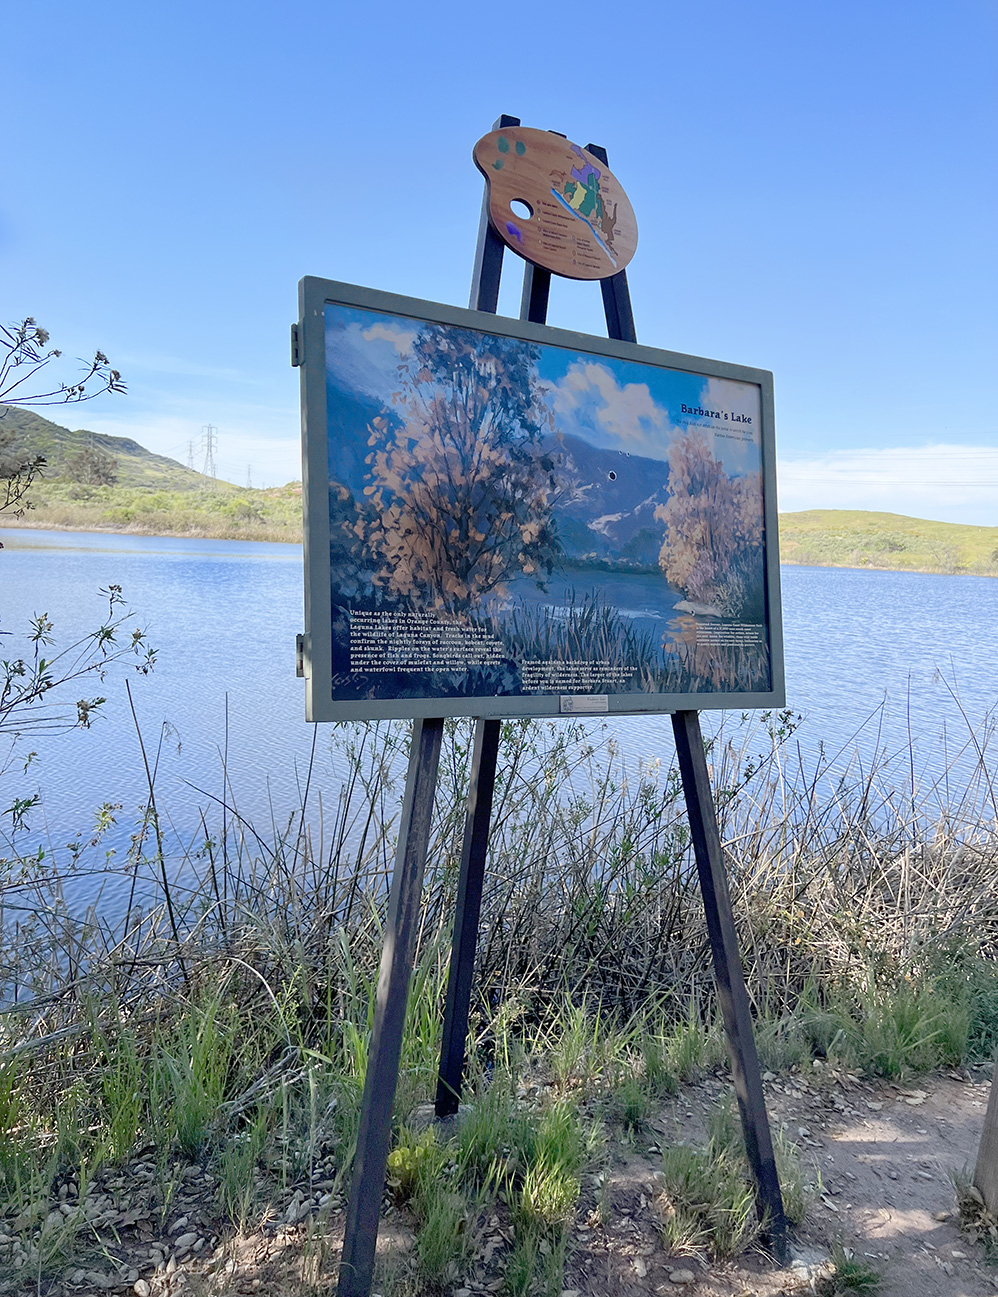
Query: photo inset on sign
[{"x": 509, "y": 518}]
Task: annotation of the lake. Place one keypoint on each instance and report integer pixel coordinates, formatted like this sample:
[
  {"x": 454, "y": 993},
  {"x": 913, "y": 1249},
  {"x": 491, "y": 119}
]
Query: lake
[{"x": 224, "y": 615}]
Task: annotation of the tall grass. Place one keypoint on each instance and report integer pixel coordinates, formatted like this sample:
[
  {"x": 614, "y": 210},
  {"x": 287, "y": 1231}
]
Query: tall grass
[
  {"x": 846, "y": 886},
  {"x": 227, "y": 1018}
]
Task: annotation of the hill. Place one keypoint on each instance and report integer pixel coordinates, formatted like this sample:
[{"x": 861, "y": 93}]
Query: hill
[
  {"x": 153, "y": 495},
  {"x": 137, "y": 467},
  {"x": 860, "y": 538},
  {"x": 610, "y": 515}
]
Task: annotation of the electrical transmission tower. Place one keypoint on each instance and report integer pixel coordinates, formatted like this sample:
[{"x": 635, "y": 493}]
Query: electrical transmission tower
[
  {"x": 249, "y": 477},
  {"x": 209, "y": 443},
  {"x": 190, "y": 455}
]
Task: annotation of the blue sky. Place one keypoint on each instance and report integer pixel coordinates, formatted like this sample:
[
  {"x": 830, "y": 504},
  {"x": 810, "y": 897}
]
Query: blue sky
[{"x": 814, "y": 187}]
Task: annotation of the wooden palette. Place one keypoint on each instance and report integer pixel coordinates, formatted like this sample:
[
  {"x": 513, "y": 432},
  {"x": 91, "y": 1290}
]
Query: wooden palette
[{"x": 556, "y": 204}]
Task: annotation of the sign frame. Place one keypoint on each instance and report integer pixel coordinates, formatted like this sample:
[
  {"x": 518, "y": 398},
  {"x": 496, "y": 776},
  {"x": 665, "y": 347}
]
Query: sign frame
[{"x": 314, "y": 294}]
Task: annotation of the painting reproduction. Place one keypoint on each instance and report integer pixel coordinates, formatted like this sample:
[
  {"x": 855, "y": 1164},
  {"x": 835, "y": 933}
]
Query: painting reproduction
[{"x": 536, "y": 527}]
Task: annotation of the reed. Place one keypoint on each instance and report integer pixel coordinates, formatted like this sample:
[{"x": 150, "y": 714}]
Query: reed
[{"x": 223, "y": 1018}]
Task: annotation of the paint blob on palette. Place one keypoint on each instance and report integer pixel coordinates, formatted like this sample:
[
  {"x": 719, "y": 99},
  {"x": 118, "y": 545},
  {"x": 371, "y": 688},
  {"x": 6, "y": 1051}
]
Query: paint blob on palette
[{"x": 556, "y": 204}]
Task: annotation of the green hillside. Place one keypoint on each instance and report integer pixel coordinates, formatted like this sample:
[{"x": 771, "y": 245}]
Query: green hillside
[
  {"x": 857, "y": 538},
  {"x": 153, "y": 494},
  {"x": 137, "y": 467}
]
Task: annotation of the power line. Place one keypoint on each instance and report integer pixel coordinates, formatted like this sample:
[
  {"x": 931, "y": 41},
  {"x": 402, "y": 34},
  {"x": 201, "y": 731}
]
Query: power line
[{"x": 209, "y": 443}]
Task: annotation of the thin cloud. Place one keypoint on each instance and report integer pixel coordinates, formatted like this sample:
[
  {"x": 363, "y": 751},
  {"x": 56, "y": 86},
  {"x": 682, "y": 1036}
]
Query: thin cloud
[
  {"x": 950, "y": 483},
  {"x": 186, "y": 368}
]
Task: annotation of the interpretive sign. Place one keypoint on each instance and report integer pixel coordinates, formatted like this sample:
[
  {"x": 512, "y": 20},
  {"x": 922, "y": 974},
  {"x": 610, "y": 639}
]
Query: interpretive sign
[
  {"x": 505, "y": 519},
  {"x": 556, "y": 204}
]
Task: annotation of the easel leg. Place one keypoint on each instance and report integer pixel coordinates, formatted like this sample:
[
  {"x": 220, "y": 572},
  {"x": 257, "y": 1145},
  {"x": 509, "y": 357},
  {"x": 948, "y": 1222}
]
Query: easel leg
[
  {"x": 729, "y": 977},
  {"x": 368, "y": 1184},
  {"x": 469, "y": 904},
  {"x": 533, "y": 306},
  {"x": 986, "y": 1168},
  {"x": 488, "y": 254},
  {"x": 536, "y": 292},
  {"x": 714, "y": 887}
]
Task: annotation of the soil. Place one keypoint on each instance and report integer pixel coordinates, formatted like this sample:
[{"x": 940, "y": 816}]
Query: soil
[{"x": 881, "y": 1158}]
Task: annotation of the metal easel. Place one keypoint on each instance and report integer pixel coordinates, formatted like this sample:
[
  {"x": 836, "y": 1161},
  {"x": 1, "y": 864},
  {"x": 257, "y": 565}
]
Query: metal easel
[{"x": 368, "y": 1183}]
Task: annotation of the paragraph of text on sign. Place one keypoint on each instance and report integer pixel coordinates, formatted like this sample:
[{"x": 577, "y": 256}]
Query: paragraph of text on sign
[{"x": 413, "y": 641}]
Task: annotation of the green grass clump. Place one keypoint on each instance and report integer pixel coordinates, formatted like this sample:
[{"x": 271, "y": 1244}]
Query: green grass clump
[
  {"x": 543, "y": 1195},
  {"x": 521, "y": 1265},
  {"x": 500, "y": 1155},
  {"x": 708, "y": 1203},
  {"x": 850, "y": 1277},
  {"x": 633, "y": 1104},
  {"x": 421, "y": 1174},
  {"x": 555, "y": 1157},
  {"x": 908, "y": 1028},
  {"x": 236, "y": 1161},
  {"x": 493, "y": 1135}
]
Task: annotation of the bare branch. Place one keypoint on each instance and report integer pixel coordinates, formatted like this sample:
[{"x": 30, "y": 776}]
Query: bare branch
[{"x": 24, "y": 354}]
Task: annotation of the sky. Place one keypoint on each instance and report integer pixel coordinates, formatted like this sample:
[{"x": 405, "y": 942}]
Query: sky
[{"x": 814, "y": 188}]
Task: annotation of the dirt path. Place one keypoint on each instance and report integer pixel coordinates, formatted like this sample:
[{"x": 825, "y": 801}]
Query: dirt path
[{"x": 884, "y": 1154}]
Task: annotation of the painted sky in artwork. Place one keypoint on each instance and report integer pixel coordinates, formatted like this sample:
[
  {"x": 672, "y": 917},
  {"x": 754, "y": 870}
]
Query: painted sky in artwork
[{"x": 614, "y": 404}]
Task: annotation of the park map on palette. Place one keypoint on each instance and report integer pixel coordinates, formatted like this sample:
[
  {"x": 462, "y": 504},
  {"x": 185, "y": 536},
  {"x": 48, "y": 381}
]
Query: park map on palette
[
  {"x": 581, "y": 195},
  {"x": 556, "y": 204}
]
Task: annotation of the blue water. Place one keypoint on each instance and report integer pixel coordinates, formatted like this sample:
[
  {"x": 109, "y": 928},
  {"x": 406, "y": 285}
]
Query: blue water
[{"x": 224, "y": 615}]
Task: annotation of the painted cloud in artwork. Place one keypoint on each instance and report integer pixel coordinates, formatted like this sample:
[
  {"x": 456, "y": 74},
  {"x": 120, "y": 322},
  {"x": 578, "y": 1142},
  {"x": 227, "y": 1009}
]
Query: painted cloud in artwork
[
  {"x": 400, "y": 338},
  {"x": 366, "y": 360},
  {"x": 591, "y": 402}
]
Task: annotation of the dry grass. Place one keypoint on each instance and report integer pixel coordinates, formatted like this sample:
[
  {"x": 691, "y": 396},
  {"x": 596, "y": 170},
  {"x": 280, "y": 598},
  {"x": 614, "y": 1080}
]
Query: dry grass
[
  {"x": 229, "y": 513},
  {"x": 226, "y": 1018}
]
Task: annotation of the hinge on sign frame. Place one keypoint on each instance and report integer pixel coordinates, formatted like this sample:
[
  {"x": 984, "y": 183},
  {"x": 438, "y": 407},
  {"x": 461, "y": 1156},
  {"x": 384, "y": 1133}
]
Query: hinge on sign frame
[
  {"x": 300, "y": 656},
  {"x": 296, "y": 354}
]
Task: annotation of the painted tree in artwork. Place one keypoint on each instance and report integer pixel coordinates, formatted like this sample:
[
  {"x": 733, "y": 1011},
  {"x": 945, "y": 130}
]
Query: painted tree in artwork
[
  {"x": 461, "y": 488},
  {"x": 713, "y": 547}
]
